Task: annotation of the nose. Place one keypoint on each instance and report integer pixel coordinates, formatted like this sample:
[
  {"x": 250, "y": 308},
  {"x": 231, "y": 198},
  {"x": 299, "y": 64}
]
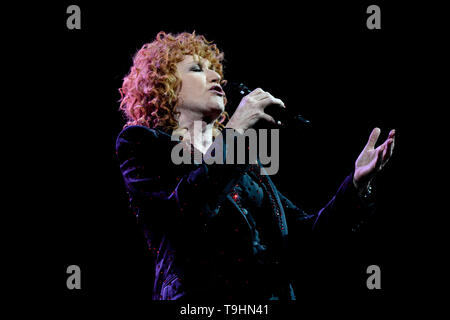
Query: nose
[{"x": 213, "y": 76}]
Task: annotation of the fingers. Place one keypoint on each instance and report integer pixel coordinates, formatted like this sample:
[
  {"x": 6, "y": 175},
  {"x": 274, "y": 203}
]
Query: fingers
[
  {"x": 373, "y": 138},
  {"x": 392, "y": 133},
  {"x": 379, "y": 162},
  {"x": 387, "y": 150},
  {"x": 258, "y": 93},
  {"x": 270, "y": 100},
  {"x": 384, "y": 151},
  {"x": 392, "y": 136},
  {"x": 266, "y": 98},
  {"x": 268, "y": 118},
  {"x": 389, "y": 146}
]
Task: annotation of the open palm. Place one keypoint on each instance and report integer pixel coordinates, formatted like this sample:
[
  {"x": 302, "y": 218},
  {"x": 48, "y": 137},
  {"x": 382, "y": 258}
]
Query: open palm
[{"x": 371, "y": 160}]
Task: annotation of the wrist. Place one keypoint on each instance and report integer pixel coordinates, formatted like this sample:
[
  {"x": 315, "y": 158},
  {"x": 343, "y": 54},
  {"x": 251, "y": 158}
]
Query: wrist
[
  {"x": 231, "y": 125},
  {"x": 360, "y": 186},
  {"x": 363, "y": 189}
]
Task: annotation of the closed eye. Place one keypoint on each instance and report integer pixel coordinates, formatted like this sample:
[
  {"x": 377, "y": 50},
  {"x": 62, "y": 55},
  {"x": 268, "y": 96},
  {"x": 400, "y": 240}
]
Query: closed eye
[{"x": 197, "y": 68}]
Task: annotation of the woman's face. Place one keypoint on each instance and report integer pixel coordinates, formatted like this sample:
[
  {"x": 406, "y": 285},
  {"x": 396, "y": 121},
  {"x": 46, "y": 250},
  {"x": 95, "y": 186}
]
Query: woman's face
[{"x": 200, "y": 88}]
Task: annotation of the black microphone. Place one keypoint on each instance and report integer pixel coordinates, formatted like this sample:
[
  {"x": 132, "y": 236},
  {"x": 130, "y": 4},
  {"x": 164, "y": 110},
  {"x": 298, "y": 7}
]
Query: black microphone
[{"x": 284, "y": 117}]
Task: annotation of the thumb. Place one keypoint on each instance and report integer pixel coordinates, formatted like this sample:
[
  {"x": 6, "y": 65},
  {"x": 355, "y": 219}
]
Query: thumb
[{"x": 373, "y": 138}]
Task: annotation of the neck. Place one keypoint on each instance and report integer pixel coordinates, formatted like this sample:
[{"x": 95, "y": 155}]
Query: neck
[{"x": 198, "y": 130}]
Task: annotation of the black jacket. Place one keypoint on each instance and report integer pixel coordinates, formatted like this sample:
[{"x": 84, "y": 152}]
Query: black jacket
[{"x": 199, "y": 234}]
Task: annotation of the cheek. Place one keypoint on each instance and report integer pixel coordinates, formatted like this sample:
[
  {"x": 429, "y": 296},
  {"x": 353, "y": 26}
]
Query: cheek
[
  {"x": 194, "y": 82},
  {"x": 191, "y": 90},
  {"x": 184, "y": 91}
]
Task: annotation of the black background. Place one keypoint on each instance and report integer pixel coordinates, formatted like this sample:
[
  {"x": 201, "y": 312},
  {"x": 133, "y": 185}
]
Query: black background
[{"x": 317, "y": 57}]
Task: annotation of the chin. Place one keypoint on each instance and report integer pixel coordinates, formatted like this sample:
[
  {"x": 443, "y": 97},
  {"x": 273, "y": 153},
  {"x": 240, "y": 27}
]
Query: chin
[
  {"x": 214, "y": 111},
  {"x": 216, "y": 107}
]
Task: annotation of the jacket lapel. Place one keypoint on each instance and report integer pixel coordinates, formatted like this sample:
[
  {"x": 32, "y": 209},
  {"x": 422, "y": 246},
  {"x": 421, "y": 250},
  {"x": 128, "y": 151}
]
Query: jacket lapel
[{"x": 270, "y": 191}]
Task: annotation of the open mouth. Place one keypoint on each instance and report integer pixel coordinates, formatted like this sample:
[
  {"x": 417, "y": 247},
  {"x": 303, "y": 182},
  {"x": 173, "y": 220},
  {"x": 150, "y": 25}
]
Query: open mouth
[{"x": 218, "y": 90}]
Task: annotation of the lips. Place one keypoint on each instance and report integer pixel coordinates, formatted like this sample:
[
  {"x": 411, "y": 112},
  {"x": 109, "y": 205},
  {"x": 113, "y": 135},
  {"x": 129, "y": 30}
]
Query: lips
[{"x": 217, "y": 89}]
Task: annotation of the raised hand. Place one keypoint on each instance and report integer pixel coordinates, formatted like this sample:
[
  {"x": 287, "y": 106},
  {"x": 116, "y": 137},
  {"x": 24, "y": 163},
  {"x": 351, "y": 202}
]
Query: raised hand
[{"x": 372, "y": 160}]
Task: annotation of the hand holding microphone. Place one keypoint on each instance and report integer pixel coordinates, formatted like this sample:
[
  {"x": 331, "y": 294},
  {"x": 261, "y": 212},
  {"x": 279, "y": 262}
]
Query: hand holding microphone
[
  {"x": 259, "y": 105},
  {"x": 251, "y": 110}
]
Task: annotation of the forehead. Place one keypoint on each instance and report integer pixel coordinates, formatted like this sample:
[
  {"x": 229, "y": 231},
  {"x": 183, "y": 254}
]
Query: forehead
[{"x": 188, "y": 59}]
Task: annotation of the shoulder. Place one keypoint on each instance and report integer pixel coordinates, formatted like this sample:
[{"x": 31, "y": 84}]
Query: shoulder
[
  {"x": 141, "y": 132},
  {"x": 141, "y": 135}
]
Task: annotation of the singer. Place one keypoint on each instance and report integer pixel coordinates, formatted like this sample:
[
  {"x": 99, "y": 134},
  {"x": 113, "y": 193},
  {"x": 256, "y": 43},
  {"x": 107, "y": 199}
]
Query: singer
[{"x": 217, "y": 232}]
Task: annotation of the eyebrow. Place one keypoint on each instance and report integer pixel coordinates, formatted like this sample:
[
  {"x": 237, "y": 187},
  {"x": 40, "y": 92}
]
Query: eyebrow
[{"x": 204, "y": 62}]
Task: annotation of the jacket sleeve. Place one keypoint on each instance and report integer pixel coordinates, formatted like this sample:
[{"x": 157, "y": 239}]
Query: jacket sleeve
[
  {"x": 342, "y": 215},
  {"x": 154, "y": 182}
]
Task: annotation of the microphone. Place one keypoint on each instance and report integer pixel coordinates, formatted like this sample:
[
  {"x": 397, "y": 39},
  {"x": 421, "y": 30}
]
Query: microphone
[{"x": 283, "y": 116}]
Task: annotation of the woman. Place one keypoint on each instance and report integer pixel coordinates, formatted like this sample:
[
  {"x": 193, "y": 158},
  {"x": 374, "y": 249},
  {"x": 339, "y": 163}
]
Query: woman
[{"x": 215, "y": 232}]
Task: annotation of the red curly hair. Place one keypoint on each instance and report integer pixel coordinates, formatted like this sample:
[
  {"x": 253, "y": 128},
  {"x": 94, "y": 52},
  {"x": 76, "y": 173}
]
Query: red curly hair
[{"x": 149, "y": 91}]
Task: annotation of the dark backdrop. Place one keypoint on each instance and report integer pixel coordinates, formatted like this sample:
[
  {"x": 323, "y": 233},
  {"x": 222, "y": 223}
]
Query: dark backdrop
[{"x": 318, "y": 58}]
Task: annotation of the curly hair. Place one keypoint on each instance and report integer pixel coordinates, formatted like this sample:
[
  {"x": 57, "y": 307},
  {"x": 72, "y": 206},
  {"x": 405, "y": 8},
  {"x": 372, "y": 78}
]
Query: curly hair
[{"x": 149, "y": 91}]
